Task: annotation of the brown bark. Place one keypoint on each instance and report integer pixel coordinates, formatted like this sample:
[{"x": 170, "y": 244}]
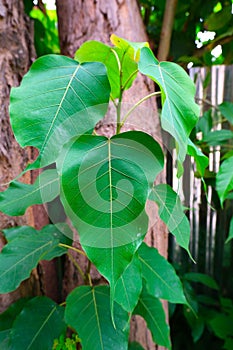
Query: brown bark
[
  {"x": 79, "y": 21},
  {"x": 16, "y": 55}
]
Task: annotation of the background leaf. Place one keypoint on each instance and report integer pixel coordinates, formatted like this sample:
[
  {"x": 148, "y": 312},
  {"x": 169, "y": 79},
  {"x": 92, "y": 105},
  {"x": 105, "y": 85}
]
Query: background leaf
[
  {"x": 67, "y": 99},
  {"x": 160, "y": 277},
  {"x": 25, "y": 250},
  {"x": 38, "y": 324},
  {"x": 226, "y": 109},
  {"x": 180, "y": 112},
  {"x": 224, "y": 179},
  {"x": 201, "y": 278},
  {"x": 88, "y": 312},
  {"x": 171, "y": 212},
  {"x": 230, "y": 234},
  {"x": 151, "y": 309},
  {"x": 19, "y": 196}
]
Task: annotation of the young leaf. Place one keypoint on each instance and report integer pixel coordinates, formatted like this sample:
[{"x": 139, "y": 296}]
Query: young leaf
[
  {"x": 151, "y": 309},
  {"x": 39, "y": 323},
  {"x": 160, "y": 276},
  {"x": 67, "y": 99},
  {"x": 104, "y": 188},
  {"x": 180, "y": 112},
  {"x": 131, "y": 48},
  {"x": 129, "y": 286},
  {"x": 230, "y": 234},
  {"x": 171, "y": 212},
  {"x": 19, "y": 196},
  {"x": 224, "y": 179},
  {"x": 226, "y": 109},
  {"x": 25, "y": 250},
  {"x": 117, "y": 61},
  {"x": 88, "y": 312}
]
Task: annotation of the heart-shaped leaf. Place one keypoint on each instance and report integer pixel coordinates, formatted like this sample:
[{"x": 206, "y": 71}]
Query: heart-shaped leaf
[
  {"x": 67, "y": 99},
  {"x": 171, "y": 212},
  {"x": 38, "y": 324},
  {"x": 19, "y": 196},
  {"x": 160, "y": 276},
  {"x": 23, "y": 252},
  {"x": 151, "y": 309},
  {"x": 180, "y": 112},
  {"x": 88, "y": 312}
]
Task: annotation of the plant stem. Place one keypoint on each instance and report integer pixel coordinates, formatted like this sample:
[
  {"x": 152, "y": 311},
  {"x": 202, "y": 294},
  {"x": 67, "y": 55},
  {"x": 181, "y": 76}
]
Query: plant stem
[
  {"x": 72, "y": 248},
  {"x": 157, "y": 93},
  {"x": 129, "y": 78},
  {"x": 77, "y": 266}
]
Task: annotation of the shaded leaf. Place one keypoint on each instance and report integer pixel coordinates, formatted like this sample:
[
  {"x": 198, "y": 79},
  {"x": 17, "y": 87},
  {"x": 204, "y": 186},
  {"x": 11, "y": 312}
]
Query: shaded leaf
[
  {"x": 67, "y": 99},
  {"x": 39, "y": 323},
  {"x": 230, "y": 234},
  {"x": 160, "y": 276},
  {"x": 88, "y": 312},
  {"x": 180, "y": 112},
  {"x": 217, "y": 137},
  {"x": 25, "y": 250},
  {"x": 19, "y": 196},
  {"x": 201, "y": 278},
  {"x": 171, "y": 211},
  {"x": 224, "y": 179},
  {"x": 135, "y": 346},
  {"x": 129, "y": 286},
  {"x": 151, "y": 309},
  {"x": 226, "y": 109}
]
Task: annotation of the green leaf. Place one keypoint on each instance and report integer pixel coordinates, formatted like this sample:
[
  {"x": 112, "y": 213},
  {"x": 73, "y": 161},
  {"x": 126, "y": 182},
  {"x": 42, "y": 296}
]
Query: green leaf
[
  {"x": 218, "y": 137},
  {"x": 25, "y": 250},
  {"x": 38, "y": 324},
  {"x": 224, "y": 179},
  {"x": 180, "y": 112},
  {"x": 171, "y": 211},
  {"x": 219, "y": 19},
  {"x": 88, "y": 312},
  {"x": 19, "y": 196},
  {"x": 135, "y": 346},
  {"x": 226, "y": 109},
  {"x": 222, "y": 325},
  {"x": 160, "y": 276},
  {"x": 201, "y": 278},
  {"x": 131, "y": 48},
  {"x": 201, "y": 160},
  {"x": 151, "y": 309},
  {"x": 129, "y": 286},
  {"x": 117, "y": 61},
  {"x": 230, "y": 234},
  {"x": 104, "y": 188},
  {"x": 67, "y": 99}
]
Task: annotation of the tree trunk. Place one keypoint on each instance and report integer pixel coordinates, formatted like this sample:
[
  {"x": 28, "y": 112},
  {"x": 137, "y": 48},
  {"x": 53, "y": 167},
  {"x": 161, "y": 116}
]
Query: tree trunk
[
  {"x": 16, "y": 55},
  {"x": 79, "y": 21}
]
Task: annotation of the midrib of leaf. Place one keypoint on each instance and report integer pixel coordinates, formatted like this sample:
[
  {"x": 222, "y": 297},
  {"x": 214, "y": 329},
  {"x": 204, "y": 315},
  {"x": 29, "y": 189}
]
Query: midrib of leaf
[
  {"x": 25, "y": 257},
  {"x": 42, "y": 326},
  {"x": 126, "y": 294},
  {"x": 110, "y": 201},
  {"x": 155, "y": 273},
  {"x": 97, "y": 319},
  {"x": 59, "y": 107},
  {"x": 29, "y": 194},
  {"x": 171, "y": 218},
  {"x": 154, "y": 320},
  {"x": 166, "y": 93}
]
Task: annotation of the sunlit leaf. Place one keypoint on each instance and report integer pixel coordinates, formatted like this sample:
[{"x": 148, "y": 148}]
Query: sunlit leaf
[
  {"x": 38, "y": 324},
  {"x": 67, "y": 99},
  {"x": 25, "y": 250},
  {"x": 160, "y": 276},
  {"x": 88, "y": 312},
  {"x": 180, "y": 112},
  {"x": 19, "y": 196}
]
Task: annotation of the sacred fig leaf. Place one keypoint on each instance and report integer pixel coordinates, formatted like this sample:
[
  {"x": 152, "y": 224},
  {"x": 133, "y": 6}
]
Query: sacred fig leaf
[
  {"x": 104, "y": 189},
  {"x": 132, "y": 49},
  {"x": 88, "y": 312},
  {"x": 135, "y": 346},
  {"x": 159, "y": 275},
  {"x": 38, "y": 324},
  {"x": 224, "y": 179},
  {"x": 67, "y": 99},
  {"x": 200, "y": 159},
  {"x": 117, "y": 61},
  {"x": 25, "y": 250},
  {"x": 151, "y": 309},
  {"x": 171, "y": 211},
  {"x": 19, "y": 196},
  {"x": 129, "y": 285},
  {"x": 180, "y": 112}
]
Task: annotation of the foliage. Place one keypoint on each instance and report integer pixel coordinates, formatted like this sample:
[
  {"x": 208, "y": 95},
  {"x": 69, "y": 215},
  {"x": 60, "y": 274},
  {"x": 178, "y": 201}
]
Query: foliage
[{"x": 104, "y": 184}]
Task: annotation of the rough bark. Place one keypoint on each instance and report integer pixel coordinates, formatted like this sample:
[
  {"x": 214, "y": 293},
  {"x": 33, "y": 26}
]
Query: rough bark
[
  {"x": 16, "y": 55},
  {"x": 79, "y": 21}
]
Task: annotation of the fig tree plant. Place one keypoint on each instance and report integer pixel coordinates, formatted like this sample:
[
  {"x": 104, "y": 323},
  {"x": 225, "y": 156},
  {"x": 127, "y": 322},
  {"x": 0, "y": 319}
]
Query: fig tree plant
[{"x": 104, "y": 185}]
